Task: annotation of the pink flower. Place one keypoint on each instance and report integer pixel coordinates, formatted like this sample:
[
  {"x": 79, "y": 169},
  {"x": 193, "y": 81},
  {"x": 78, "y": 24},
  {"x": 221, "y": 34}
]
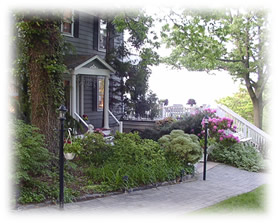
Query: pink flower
[{"x": 221, "y": 138}]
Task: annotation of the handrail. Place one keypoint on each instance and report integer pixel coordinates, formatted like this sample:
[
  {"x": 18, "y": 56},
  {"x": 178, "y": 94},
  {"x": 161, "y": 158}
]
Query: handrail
[
  {"x": 260, "y": 139},
  {"x": 77, "y": 115},
  {"x": 241, "y": 119},
  {"x": 119, "y": 122}
]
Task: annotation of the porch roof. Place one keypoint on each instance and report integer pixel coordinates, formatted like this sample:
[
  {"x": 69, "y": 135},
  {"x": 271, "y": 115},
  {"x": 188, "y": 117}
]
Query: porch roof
[{"x": 78, "y": 61}]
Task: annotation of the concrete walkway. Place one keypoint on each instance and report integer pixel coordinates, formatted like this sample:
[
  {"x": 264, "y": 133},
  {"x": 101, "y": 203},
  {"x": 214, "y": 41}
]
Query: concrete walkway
[{"x": 221, "y": 183}]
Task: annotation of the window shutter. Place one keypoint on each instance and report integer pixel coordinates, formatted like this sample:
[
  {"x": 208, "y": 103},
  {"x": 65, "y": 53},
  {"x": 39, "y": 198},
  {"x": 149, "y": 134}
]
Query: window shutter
[
  {"x": 76, "y": 25},
  {"x": 95, "y": 33}
]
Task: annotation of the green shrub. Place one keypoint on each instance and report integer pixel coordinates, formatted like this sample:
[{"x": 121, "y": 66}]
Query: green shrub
[
  {"x": 184, "y": 147},
  {"x": 36, "y": 171},
  {"x": 189, "y": 123},
  {"x": 242, "y": 156},
  {"x": 141, "y": 160},
  {"x": 94, "y": 149},
  {"x": 32, "y": 162},
  {"x": 31, "y": 157}
]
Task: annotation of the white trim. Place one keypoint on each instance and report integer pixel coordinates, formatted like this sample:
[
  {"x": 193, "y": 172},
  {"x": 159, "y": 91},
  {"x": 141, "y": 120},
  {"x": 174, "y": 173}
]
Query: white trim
[
  {"x": 106, "y": 103},
  {"x": 73, "y": 107},
  {"x": 82, "y": 95},
  {"x": 119, "y": 122},
  {"x": 100, "y": 60},
  {"x": 95, "y": 72},
  {"x": 77, "y": 94}
]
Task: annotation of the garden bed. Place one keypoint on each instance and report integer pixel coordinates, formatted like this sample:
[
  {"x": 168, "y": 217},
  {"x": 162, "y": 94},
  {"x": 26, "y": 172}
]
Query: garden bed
[{"x": 92, "y": 196}]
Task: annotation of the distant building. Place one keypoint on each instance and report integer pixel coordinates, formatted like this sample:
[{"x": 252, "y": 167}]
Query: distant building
[{"x": 176, "y": 110}]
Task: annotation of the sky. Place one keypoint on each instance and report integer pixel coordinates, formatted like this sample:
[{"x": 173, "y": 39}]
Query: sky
[{"x": 180, "y": 85}]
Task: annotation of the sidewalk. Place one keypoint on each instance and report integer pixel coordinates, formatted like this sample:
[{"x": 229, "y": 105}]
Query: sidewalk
[{"x": 222, "y": 182}]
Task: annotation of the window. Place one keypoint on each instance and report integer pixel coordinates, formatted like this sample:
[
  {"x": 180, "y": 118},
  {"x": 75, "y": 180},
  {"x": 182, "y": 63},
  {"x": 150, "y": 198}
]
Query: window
[
  {"x": 68, "y": 23},
  {"x": 102, "y": 35},
  {"x": 100, "y": 93}
]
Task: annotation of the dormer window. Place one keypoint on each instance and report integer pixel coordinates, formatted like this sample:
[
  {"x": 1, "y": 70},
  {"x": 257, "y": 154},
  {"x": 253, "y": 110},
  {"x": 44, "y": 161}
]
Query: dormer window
[
  {"x": 67, "y": 26},
  {"x": 102, "y": 35}
]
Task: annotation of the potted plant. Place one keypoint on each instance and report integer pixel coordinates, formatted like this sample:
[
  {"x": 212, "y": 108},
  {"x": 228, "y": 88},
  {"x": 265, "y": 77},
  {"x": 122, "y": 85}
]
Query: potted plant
[
  {"x": 71, "y": 148},
  {"x": 85, "y": 117}
]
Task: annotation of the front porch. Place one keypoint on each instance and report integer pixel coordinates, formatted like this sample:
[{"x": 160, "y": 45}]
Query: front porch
[{"x": 87, "y": 91}]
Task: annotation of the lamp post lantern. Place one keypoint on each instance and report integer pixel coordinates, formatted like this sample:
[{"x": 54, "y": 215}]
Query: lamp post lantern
[
  {"x": 62, "y": 118},
  {"x": 206, "y": 145}
]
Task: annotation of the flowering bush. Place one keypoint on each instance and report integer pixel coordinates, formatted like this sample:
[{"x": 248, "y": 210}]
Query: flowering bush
[{"x": 220, "y": 129}]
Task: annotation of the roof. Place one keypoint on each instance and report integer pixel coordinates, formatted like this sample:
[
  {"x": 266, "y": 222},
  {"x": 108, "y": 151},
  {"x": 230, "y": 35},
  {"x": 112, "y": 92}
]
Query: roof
[
  {"x": 77, "y": 61},
  {"x": 72, "y": 61}
]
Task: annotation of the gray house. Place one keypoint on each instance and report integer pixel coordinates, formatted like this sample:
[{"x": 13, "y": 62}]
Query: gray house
[{"x": 88, "y": 83}]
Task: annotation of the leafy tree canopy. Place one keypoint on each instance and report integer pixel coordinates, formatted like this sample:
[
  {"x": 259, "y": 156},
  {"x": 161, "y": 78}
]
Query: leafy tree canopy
[
  {"x": 240, "y": 103},
  {"x": 132, "y": 60},
  {"x": 231, "y": 40}
]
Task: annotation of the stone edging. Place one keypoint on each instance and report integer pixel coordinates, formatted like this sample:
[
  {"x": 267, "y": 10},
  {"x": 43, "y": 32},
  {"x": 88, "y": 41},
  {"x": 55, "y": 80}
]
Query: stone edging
[{"x": 187, "y": 178}]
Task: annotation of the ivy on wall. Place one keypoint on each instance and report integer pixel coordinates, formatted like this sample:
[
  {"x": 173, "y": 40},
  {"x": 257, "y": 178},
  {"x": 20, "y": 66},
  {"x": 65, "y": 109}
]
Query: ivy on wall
[{"x": 39, "y": 69}]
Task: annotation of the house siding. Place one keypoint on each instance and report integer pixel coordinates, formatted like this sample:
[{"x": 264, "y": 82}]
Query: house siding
[{"x": 85, "y": 42}]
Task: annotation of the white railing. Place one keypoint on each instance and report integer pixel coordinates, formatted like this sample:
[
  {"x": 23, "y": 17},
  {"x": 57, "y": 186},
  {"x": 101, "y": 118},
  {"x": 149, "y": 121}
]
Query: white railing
[
  {"x": 119, "y": 122},
  {"x": 77, "y": 115},
  {"x": 259, "y": 138}
]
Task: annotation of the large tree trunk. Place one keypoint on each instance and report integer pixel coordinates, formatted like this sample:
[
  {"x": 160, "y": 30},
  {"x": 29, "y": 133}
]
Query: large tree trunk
[
  {"x": 258, "y": 111},
  {"x": 257, "y": 100},
  {"x": 43, "y": 114},
  {"x": 45, "y": 82}
]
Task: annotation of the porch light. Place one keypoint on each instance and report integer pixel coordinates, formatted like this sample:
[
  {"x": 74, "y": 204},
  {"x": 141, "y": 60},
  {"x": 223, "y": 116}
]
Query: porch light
[{"x": 62, "y": 112}]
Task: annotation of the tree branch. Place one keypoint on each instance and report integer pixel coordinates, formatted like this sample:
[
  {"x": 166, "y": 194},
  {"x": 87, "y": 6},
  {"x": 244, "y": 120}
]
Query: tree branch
[{"x": 229, "y": 60}]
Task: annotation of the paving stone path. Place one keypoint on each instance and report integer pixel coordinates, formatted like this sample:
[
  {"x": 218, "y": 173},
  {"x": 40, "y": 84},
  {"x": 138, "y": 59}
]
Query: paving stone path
[{"x": 221, "y": 183}]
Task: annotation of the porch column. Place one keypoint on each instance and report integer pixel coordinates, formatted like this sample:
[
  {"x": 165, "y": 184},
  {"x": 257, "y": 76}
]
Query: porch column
[
  {"x": 106, "y": 102},
  {"x": 73, "y": 91}
]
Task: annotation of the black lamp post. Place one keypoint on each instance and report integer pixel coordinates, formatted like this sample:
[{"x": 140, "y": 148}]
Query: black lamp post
[
  {"x": 206, "y": 145},
  {"x": 62, "y": 118}
]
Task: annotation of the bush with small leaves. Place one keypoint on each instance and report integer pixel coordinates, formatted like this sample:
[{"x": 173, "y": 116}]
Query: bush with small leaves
[
  {"x": 239, "y": 155},
  {"x": 183, "y": 147}
]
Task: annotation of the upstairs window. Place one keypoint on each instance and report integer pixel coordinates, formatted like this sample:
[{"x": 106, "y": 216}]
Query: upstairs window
[
  {"x": 102, "y": 35},
  {"x": 67, "y": 26}
]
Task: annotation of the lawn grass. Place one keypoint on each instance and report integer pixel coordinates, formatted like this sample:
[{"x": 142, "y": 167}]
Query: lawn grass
[{"x": 253, "y": 201}]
